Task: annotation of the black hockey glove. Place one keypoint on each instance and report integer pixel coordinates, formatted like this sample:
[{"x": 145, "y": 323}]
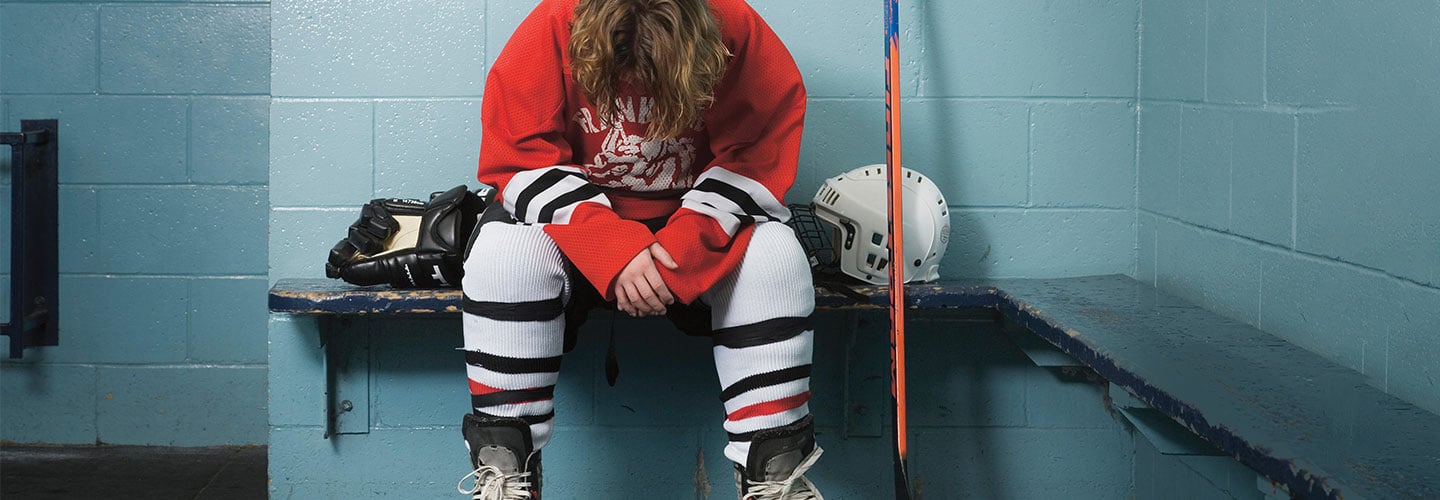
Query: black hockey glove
[{"x": 408, "y": 243}]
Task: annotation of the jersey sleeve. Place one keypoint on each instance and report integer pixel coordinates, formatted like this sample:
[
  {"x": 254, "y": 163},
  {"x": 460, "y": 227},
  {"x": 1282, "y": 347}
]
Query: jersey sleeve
[
  {"x": 525, "y": 155},
  {"x": 755, "y": 130}
]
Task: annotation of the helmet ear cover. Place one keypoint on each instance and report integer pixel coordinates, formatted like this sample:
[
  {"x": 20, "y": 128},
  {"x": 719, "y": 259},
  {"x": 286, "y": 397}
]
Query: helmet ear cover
[{"x": 853, "y": 205}]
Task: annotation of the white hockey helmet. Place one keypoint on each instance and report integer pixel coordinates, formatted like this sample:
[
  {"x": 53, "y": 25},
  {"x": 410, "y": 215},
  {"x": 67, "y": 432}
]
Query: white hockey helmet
[{"x": 854, "y": 204}]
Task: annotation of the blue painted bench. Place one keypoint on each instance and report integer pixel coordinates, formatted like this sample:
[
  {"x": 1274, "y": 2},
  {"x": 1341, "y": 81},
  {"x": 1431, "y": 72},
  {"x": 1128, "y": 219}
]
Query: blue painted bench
[{"x": 1317, "y": 429}]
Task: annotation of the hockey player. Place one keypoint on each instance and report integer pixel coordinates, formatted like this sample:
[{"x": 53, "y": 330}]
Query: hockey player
[{"x": 641, "y": 149}]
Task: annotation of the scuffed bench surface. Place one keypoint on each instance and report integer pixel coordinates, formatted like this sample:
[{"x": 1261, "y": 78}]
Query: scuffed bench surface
[
  {"x": 324, "y": 296},
  {"x": 1293, "y": 416}
]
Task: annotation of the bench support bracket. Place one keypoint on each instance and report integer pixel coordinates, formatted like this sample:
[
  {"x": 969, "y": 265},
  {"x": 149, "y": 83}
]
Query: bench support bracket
[
  {"x": 347, "y": 375},
  {"x": 866, "y": 379}
]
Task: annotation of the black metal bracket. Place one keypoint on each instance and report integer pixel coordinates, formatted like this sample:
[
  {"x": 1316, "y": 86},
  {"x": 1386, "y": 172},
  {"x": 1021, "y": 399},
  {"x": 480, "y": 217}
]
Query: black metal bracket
[
  {"x": 34, "y": 236},
  {"x": 347, "y": 375}
]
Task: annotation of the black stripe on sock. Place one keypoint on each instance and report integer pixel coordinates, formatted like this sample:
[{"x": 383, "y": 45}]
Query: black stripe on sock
[
  {"x": 750, "y": 436},
  {"x": 741, "y": 437},
  {"x": 547, "y": 214},
  {"x": 547, "y": 179},
  {"x": 528, "y": 419},
  {"x": 767, "y": 379},
  {"x": 512, "y": 397},
  {"x": 502, "y": 364},
  {"x": 736, "y": 195},
  {"x": 539, "y": 310},
  {"x": 764, "y": 332}
]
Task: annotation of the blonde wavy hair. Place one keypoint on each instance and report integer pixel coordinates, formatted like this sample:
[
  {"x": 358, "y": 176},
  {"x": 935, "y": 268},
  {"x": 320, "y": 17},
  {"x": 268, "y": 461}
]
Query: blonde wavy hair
[{"x": 670, "y": 49}]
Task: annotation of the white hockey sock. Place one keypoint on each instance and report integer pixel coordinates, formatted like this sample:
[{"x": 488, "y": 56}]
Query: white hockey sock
[
  {"x": 763, "y": 340},
  {"x": 515, "y": 291}
]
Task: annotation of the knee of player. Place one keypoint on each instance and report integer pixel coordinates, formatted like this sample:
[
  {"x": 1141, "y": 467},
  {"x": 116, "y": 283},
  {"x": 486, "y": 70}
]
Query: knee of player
[
  {"x": 776, "y": 256},
  {"x": 507, "y": 255}
]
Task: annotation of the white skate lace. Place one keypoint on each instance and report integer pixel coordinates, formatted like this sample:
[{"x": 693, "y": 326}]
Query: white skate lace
[
  {"x": 493, "y": 484},
  {"x": 782, "y": 489}
]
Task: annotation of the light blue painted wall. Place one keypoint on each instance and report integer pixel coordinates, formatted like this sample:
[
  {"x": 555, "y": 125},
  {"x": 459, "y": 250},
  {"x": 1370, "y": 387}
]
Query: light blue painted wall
[
  {"x": 164, "y": 117},
  {"x": 1288, "y": 168},
  {"x": 1276, "y": 144},
  {"x": 1278, "y": 164},
  {"x": 1025, "y": 114}
]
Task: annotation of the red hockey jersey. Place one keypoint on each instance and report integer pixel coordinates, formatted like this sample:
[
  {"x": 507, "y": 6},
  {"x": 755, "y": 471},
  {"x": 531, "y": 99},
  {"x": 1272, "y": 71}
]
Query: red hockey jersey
[{"x": 555, "y": 162}]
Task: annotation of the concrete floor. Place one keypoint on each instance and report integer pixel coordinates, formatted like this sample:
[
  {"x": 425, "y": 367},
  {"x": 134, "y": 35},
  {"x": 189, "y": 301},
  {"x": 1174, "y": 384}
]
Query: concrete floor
[{"x": 124, "y": 472}]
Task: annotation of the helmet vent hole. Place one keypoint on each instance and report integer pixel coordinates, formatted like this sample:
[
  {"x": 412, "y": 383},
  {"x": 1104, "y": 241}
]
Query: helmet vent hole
[
  {"x": 870, "y": 260},
  {"x": 881, "y": 265},
  {"x": 877, "y": 238}
]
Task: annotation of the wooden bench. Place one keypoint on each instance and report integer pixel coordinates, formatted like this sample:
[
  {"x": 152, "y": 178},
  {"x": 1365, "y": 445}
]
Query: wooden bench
[{"x": 1309, "y": 425}]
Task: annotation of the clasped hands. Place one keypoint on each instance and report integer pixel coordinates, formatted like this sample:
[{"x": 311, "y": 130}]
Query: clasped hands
[{"x": 639, "y": 289}]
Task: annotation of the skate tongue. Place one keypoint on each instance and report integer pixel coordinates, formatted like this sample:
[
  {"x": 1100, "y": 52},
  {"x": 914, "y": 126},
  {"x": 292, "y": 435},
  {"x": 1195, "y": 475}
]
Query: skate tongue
[
  {"x": 780, "y": 467},
  {"x": 500, "y": 443},
  {"x": 500, "y": 458},
  {"x": 775, "y": 453}
]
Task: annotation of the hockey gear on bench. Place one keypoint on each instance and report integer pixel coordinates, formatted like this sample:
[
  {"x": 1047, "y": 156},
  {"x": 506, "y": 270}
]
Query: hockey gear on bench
[
  {"x": 852, "y": 204},
  {"x": 408, "y": 243}
]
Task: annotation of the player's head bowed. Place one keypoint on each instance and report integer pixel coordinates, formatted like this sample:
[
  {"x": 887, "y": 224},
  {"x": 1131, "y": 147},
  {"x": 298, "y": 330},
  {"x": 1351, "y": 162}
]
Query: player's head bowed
[{"x": 669, "y": 49}]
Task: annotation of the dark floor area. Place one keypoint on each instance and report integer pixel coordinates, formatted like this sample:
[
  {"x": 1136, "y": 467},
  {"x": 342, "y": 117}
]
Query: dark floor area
[{"x": 124, "y": 472}]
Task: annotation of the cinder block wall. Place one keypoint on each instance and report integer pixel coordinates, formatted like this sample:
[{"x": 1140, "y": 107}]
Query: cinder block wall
[
  {"x": 1024, "y": 114},
  {"x": 163, "y": 110},
  {"x": 1288, "y": 168}
]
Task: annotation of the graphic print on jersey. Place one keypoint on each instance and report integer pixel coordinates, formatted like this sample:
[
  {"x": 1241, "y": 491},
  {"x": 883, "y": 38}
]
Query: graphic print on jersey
[{"x": 627, "y": 161}]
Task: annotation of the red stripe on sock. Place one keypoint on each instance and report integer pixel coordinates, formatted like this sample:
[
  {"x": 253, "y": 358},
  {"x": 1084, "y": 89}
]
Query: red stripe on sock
[
  {"x": 769, "y": 407},
  {"x": 479, "y": 389}
]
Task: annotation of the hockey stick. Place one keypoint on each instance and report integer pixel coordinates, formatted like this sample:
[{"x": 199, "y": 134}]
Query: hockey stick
[{"x": 896, "y": 218}]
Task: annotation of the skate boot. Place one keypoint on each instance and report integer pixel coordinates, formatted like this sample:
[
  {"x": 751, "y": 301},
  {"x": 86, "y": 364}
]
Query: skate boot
[
  {"x": 506, "y": 465},
  {"x": 775, "y": 469}
]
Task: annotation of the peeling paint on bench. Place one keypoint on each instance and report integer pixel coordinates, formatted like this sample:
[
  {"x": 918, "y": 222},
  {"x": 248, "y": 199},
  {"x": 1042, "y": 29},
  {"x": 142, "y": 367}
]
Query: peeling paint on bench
[{"x": 317, "y": 296}]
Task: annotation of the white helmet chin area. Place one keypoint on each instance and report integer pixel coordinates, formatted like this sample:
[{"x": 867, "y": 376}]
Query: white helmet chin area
[{"x": 854, "y": 203}]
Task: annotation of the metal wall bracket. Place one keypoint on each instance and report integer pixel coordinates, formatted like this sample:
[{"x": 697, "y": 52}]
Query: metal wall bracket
[
  {"x": 1167, "y": 436},
  {"x": 867, "y": 375},
  {"x": 34, "y": 236},
  {"x": 1041, "y": 353},
  {"x": 347, "y": 375}
]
